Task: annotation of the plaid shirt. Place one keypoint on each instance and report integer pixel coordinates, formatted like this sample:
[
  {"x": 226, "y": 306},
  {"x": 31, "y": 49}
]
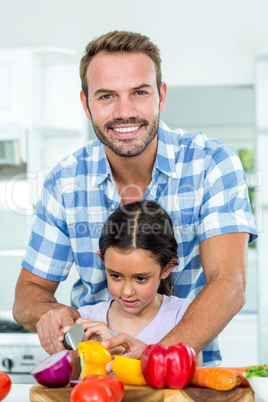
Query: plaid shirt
[{"x": 198, "y": 181}]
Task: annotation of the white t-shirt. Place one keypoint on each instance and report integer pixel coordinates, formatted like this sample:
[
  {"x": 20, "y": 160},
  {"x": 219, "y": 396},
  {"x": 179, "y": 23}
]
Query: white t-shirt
[{"x": 169, "y": 315}]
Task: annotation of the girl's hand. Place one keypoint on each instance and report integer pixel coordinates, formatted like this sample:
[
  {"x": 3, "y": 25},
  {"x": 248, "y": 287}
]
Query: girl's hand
[
  {"x": 98, "y": 331},
  {"x": 95, "y": 330}
]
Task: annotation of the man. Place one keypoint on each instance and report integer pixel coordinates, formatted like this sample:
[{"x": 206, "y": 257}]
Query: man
[{"x": 198, "y": 181}]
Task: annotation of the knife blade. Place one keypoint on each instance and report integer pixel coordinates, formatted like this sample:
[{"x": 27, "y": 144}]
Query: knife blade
[{"x": 73, "y": 336}]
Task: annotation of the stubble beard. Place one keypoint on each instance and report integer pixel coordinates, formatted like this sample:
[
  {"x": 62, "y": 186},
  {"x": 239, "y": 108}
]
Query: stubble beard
[{"x": 127, "y": 147}]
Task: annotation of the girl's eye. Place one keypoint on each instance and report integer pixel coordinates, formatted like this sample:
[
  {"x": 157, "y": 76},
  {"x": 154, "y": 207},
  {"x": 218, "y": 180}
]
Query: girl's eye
[
  {"x": 115, "y": 276},
  {"x": 141, "y": 279}
]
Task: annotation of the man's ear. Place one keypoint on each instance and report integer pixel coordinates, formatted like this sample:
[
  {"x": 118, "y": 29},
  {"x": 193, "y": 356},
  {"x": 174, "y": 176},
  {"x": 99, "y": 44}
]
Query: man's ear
[
  {"x": 99, "y": 254},
  {"x": 163, "y": 95},
  {"x": 85, "y": 105},
  {"x": 168, "y": 268}
]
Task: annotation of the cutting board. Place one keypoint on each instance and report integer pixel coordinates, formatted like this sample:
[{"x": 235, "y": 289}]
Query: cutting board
[{"x": 38, "y": 393}]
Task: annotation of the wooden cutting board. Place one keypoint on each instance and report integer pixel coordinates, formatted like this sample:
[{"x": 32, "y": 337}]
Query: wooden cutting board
[{"x": 38, "y": 393}]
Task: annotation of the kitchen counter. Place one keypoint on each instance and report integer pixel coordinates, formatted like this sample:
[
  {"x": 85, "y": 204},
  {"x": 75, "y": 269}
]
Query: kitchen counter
[{"x": 21, "y": 393}]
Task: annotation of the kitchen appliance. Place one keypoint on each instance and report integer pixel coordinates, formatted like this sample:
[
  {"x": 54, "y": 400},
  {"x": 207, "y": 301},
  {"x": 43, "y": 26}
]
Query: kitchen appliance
[
  {"x": 12, "y": 143},
  {"x": 20, "y": 350}
]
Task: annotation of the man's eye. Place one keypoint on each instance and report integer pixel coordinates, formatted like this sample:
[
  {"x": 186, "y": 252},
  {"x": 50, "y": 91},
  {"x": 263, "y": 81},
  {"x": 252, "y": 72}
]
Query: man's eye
[
  {"x": 105, "y": 97},
  {"x": 141, "y": 93}
]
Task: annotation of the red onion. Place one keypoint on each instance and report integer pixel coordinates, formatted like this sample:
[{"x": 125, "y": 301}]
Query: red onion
[
  {"x": 54, "y": 371},
  {"x": 73, "y": 383}
]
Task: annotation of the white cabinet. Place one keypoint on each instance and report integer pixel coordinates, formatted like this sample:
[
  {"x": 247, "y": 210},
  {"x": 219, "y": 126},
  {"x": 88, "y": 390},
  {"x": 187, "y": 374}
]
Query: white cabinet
[
  {"x": 15, "y": 82},
  {"x": 40, "y": 108},
  {"x": 239, "y": 342},
  {"x": 262, "y": 199},
  {"x": 41, "y": 89}
]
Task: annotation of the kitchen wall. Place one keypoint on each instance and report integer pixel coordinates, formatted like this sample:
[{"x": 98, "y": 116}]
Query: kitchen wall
[
  {"x": 209, "y": 49},
  {"x": 202, "y": 42}
]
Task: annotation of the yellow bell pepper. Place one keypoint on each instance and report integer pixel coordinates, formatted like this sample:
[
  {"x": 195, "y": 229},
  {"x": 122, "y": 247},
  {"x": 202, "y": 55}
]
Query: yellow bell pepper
[
  {"x": 93, "y": 358},
  {"x": 128, "y": 370}
]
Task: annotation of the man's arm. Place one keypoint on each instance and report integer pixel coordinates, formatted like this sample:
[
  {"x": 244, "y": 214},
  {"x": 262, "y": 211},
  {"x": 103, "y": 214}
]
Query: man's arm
[
  {"x": 224, "y": 260},
  {"x": 37, "y": 309}
]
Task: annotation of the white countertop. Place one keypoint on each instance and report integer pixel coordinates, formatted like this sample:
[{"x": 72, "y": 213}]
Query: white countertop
[{"x": 19, "y": 393}]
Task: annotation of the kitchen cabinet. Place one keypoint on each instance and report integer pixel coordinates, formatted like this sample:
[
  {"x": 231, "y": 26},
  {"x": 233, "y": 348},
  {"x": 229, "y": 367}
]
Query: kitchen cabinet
[
  {"x": 41, "y": 88},
  {"x": 40, "y": 107}
]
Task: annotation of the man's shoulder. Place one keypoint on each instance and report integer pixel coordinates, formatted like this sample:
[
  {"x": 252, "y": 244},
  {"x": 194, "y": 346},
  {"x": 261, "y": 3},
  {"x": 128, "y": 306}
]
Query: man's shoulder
[
  {"x": 183, "y": 140},
  {"x": 79, "y": 161}
]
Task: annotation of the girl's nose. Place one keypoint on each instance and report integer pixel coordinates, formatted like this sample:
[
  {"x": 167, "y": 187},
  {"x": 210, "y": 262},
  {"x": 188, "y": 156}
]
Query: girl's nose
[
  {"x": 127, "y": 289},
  {"x": 124, "y": 109}
]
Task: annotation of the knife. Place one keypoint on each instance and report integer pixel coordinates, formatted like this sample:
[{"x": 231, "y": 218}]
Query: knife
[{"x": 73, "y": 336}]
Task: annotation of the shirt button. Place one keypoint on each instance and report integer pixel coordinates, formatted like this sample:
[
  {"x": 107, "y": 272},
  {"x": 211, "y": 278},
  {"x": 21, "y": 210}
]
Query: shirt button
[{"x": 112, "y": 207}]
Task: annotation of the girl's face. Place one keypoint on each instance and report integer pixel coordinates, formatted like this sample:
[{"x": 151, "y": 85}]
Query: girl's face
[{"x": 133, "y": 278}]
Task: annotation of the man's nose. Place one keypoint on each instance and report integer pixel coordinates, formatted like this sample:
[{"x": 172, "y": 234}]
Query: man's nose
[{"x": 124, "y": 109}]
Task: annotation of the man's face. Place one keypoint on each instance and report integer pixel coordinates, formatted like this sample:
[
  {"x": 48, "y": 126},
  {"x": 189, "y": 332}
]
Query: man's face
[{"x": 123, "y": 101}]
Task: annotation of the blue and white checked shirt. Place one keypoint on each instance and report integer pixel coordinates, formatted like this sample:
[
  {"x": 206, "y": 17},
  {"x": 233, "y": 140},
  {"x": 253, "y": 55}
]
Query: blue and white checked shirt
[{"x": 198, "y": 181}]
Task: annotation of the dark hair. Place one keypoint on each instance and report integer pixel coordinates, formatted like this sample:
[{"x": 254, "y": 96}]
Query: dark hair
[
  {"x": 120, "y": 42},
  {"x": 144, "y": 225}
]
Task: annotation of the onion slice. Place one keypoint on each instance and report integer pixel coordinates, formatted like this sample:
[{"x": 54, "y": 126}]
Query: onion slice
[
  {"x": 54, "y": 371},
  {"x": 73, "y": 383}
]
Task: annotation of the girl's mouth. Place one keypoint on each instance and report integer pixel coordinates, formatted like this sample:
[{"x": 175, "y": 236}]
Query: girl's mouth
[{"x": 130, "y": 303}]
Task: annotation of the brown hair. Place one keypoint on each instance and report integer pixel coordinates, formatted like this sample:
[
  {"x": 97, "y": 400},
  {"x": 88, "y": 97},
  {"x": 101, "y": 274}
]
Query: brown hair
[
  {"x": 120, "y": 41},
  {"x": 145, "y": 225}
]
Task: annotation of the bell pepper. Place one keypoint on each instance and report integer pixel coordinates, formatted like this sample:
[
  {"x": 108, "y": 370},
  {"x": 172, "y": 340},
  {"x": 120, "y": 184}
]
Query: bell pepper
[
  {"x": 93, "y": 358},
  {"x": 98, "y": 388},
  {"x": 172, "y": 366},
  {"x": 128, "y": 370}
]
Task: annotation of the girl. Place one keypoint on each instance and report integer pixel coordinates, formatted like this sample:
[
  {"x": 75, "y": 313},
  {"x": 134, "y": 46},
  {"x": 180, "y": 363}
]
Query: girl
[{"x": 139, "y": 250}]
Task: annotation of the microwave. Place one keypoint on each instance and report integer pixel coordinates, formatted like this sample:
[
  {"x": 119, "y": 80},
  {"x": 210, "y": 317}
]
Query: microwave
[
  {"x": 10, "y": 153},
  {"x": 11, "y": 141}
]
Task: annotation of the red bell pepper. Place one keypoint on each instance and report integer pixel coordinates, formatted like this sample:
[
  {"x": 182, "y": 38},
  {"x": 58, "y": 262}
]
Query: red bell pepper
[
  {"x": 98, "y": 388},
  {"x": 164, "y": 366}
]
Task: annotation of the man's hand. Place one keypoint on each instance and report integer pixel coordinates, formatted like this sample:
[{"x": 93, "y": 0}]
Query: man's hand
[{"x": 51, "y": 324}]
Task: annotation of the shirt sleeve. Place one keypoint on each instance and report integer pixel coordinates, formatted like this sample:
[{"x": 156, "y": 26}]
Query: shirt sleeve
[
  {"x": 49, "y": 254},
  {"x": 226, "y": 207}
]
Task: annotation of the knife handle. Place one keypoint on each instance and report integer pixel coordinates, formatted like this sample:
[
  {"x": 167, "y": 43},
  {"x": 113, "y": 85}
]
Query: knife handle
[{"x": 66, "y": 344}]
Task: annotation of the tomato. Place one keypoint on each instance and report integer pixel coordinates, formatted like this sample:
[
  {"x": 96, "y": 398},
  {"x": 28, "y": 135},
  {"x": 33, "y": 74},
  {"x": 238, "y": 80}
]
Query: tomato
[
  {"x": 5, "y": 385},
  {"x": 95, "y": 388}
]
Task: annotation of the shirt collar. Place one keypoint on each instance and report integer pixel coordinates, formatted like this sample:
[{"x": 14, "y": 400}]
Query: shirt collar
[
  {"x": 164, "y": 162},
  {"x": 165, "y": 158}
]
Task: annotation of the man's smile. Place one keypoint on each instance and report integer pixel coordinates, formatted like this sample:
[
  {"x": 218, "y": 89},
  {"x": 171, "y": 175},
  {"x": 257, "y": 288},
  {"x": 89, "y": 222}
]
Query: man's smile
[{"x": 125, "y": 129}]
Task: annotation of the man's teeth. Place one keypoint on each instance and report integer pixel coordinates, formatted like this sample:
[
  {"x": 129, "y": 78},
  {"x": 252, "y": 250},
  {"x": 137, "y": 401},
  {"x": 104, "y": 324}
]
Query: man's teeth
[{"x": 125, "y": 129}]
